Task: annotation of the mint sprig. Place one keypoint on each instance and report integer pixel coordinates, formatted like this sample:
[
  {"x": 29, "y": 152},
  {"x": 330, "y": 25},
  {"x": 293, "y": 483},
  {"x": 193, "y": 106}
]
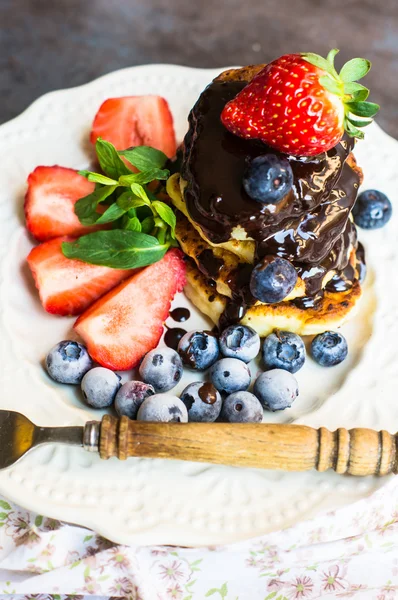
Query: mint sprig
[
  {"x": 143, "y": 226},
  {"x": 344, "y": 85}
]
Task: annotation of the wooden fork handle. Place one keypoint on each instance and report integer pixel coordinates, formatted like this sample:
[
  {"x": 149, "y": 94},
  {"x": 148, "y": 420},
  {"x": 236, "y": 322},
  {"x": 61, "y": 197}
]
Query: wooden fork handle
[{"x": 265, "y": 446}]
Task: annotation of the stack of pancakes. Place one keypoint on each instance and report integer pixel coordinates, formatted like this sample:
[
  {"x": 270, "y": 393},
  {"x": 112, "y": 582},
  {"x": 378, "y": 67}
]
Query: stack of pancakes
[{"x": 224, "y": 233}]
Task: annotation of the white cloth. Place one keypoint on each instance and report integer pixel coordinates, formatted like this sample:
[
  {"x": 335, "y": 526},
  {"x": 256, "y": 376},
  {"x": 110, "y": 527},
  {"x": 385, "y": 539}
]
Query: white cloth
[{"x": 351, "y": 553}]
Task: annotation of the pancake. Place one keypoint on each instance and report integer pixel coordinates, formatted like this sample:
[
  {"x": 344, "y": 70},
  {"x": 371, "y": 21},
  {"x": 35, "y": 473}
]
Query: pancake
[
  {"x": 224, "y": 232},
  {"x": 330, "y": 313},
  {"x": 218, "y": 263}
]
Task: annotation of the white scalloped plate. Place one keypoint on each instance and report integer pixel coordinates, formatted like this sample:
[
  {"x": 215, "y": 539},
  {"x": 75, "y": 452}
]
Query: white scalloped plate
[{"x": 155, "y": 501}]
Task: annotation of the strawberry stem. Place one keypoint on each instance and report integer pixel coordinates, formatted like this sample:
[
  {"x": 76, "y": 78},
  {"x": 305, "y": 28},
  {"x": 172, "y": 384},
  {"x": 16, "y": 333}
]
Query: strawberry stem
[{"x": 344, "y": 85}]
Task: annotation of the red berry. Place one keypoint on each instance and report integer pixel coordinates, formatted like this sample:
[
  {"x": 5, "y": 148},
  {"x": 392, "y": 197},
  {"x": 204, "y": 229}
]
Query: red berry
[
  {"x": 288, "y": 108},
  {"x": 120, "y": 328},
  {"x": 136, "y": 121},
  {"x": 50, "y": 201},
  {"x": 67, "y": 286}
]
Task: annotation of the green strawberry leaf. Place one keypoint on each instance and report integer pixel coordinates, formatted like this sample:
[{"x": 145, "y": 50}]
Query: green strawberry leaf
[
  {"x": 355, "y": 69},
  {"x": 97, "y": 178},
  {"x": 362, "y": 109},
  {"x": 144, "y": 157},
  {"x": 356, "y": 90},
  {"x": 332, "y": 85},
  {"x": 109, "y": 159},
  {"x": 331, "y": 55},
  {"x": 359, "y": 122},
  {"x": 118, "y": 249},
  {"x": 353, "y": 131},
  {"x": 86, "y": 207},
  {"x": 320, "y": 62}
]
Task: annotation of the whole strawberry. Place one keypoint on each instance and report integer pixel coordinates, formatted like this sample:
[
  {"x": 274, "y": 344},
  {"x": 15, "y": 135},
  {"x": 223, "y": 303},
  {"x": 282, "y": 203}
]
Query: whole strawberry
[{"x": 300, "y": 105}]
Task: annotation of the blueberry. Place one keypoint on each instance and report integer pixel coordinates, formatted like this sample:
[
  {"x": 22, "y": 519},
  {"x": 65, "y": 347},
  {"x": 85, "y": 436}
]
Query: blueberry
[
  {"x": 230, "y": 375},
  {"x": 329, "y": 348},
  {"x": 372, "y": 210},
  {"x": 100, "y": 386},
  {"x": 239, "y": 341},
  {"x": 161, "y": 368},
  {"x": 203, "y": 402},
  {"x": 199, "y": 349},
  {"x": 284, "y": 350},
  {"x": 276, "y": 389},
  {"x": 164, "y": 408},
  {"x": 272, "y": 279},
  {"x": 242, "y": 407},
  {"x": 268, "y": 178},
  {"x": 67, "y": 362},
  {"x": 130, "y": 397}
]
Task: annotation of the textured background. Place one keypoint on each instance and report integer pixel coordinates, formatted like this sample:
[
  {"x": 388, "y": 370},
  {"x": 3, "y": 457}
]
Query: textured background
[{"x": 51, "y": 44}]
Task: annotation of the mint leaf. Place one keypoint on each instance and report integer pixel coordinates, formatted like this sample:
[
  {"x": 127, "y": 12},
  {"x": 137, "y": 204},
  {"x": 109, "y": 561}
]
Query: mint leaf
[
  {"x": 356, "y": 90},
  {"x": 354, "y": 69},
  {"x": 332, "y": 85},
  {"x": 133, "y": 224},
  {"x": 112, "y": 213},
  {"x": 363, "y": 109},
  {"x": 152, "y": 175},
  {"x": 86, "y": 207},
  {"x": 97, "y": 178},
  {"x": 128, "y": 201},
  {"x": 118, "y": 249},
  {"x": 165, "y": 212},
  {"x": 144, "y": 177},
  {"x": 147, "y": 224},
  {"x": 139, "y": 191},
  {"x": 109, "y": 159},
  {"x": 144, "y": 157}
]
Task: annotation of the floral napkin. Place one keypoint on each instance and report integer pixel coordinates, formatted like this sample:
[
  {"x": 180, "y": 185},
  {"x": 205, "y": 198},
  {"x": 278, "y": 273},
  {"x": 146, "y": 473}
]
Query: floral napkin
[{"x": 351, "y": 553}]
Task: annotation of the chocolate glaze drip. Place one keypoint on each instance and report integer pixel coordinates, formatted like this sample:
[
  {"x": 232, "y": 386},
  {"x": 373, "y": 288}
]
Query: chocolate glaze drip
[
  {"x": 310, "y": 227},
  {"x": 207, "y": 393},
  {"x": 173, "y": 336},
  {"x": 180, "y": 314}
]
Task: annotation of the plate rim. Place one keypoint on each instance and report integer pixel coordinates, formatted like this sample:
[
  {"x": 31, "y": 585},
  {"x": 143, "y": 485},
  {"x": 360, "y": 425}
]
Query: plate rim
[{"x": 30, "y": 110}]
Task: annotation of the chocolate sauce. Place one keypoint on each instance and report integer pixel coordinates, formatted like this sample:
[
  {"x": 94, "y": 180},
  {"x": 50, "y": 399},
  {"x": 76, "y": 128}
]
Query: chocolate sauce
[
  {"x": 210, "y": 264},
  {"x": 310, "y": 226},
  {"x": 361, "y": 264},
  {"x": 207, "y": 393},
  {"x": 173, "y": 336},
  {"x": 180, "y": 314}
]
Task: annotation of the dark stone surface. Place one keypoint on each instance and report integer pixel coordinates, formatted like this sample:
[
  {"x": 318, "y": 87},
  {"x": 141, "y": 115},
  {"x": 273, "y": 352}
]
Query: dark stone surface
[{"x": 51, "y": 44}]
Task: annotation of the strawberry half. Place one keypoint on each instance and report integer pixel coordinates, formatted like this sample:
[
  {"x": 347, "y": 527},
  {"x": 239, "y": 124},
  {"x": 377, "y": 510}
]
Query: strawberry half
[
  {"x": 300, "y": 105},
  {"x": 136, "y": 121},
  {"x": 50, "y": 200},
  {"x": 120, "y": 328},
  {"x": 67, "y": 286}
]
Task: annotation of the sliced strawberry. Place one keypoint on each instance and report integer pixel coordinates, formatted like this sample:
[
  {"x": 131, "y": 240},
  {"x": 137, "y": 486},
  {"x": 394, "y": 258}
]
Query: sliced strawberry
[
  {"x": 125, "y": 324},
  {"x": 136, "y": 121},
  {"x": 67, "y": 286},
  {"x": 50, "y": 200}
]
